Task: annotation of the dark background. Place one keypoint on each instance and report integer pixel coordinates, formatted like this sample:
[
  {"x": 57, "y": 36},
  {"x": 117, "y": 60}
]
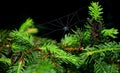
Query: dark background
[
  {"x": 41, "y": 11},
  {"x": 14, "y": 13}
]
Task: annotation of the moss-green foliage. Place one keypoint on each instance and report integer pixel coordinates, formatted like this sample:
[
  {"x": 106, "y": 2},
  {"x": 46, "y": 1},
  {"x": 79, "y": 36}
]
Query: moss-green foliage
[{"x": 23, "y": 52}]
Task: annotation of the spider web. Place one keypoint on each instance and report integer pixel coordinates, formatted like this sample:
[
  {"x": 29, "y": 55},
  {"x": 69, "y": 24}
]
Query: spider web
[{"x": 57, "y": 28}]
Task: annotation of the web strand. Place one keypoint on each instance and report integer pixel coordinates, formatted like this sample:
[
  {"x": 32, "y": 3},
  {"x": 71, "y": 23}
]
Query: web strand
[{"x": 64, "y": 23}]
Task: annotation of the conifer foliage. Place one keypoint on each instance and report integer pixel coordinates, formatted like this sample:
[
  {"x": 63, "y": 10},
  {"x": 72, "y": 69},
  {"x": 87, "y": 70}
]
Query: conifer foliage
[{"x": 87, "y": 50}]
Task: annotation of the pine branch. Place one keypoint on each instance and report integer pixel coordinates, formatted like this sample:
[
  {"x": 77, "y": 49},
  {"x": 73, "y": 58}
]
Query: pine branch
[
  {"x": 5, "y": 60},
  {"x": 43, "y": 66},
  {"x": 17, "y": 68},
  {"x": 95, "y": 10},
  {"x": 70, "y": 40},
  {"x": 110, "y": 32},
  {"x": 111, "y": 46},
  {"x": 27, "y": 24},
  {"x": 102, "y": 67},
  {"x": 22, "y": 38},
  {"x": 64, "y": 56}
]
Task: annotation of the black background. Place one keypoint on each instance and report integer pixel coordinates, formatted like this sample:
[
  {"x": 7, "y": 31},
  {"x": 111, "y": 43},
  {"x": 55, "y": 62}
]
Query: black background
[{"x": 14, "y": 13}]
